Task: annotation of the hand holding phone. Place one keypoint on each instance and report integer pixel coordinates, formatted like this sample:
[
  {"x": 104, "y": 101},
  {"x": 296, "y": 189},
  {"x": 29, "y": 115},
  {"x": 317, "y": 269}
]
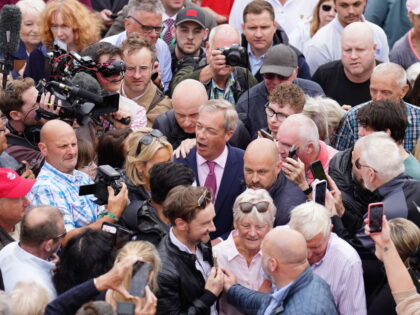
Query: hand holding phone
[
  {"x": 320, "y": 192},
  {"x": 265, "y": 134},
  {"x": 375, "y": 214},
  {"x": 318, "y": 170},
  {"x": 293, "y": 152},
  {"x": 140, "y": 278}
]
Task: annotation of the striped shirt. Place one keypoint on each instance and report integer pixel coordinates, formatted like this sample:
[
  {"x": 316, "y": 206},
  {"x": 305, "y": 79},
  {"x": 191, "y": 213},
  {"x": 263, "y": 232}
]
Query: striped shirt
[
  {"x": 61, "y": 190},
  {"x": 227, "y": 93},
  {"x": 341, "y": 268}
]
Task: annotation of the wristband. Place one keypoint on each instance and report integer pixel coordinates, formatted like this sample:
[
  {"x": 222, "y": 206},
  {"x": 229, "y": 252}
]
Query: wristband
[
  {"x": 307, "y": 191},
  {"x": 109, "y": 214}
]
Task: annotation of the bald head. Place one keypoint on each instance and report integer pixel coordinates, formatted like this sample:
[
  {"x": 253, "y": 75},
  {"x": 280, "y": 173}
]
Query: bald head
[
  {"x": 388, "y": 82},
  {"x": 285, "y": 245},
  {"x": 59, "y": 145},
  {"x": 261, "y": 170},
  {"x": 187, "y": 98},
  {"x": 224, "y": 32},
  {"x": 356, "y": 31}
]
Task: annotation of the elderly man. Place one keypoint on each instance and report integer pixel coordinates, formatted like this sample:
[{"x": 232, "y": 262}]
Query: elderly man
[
  {"x": 325, "y": 44},
  {"x": 179, "y": 123},
  {"x": 58, "y": 183},
  {"x": 13, "y": 202},
  {"x": 347, "y": 80},
  {"x": 145, "y": 17},
  {"x": 187, "y": 282},
  {"x": 331, "y": 257},
  {"x": 301, "y": 131},
  {"x": 264, "y": 171},
  {"x": 388, "y": 82},
  {"x": 260, "y": 32},
  {"x": 280, "y": 65},
  {"x": 30, "y": 259},
  {"x": 221, "y": 80},
  {"x": 287, "y": 265},
  {"x": 216, "y": 164},
  {"x": 137, "y": 85}
]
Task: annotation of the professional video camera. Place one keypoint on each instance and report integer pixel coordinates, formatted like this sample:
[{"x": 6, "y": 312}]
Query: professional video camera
[
  {"x": 106, "y": 176},
  {"x": 235, "y": 55}
]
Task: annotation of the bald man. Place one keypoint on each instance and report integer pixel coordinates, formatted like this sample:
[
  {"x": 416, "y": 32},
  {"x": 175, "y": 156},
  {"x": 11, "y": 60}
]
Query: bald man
[
  {"x": 178, "y": 124},
  {"x": 347, "y": 80},
  {"x": 58, "y": 183},
  {"x": 298, "y": 290},
  {"x": 221, "y": 80},
  {"x": 264, "y": 171}
]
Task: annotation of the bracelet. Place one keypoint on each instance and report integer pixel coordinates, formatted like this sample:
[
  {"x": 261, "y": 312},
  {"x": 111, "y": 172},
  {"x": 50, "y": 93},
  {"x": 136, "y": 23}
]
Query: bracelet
[
  {"x": 109, "y": 214},
  {"x": 308, "y": 190}
]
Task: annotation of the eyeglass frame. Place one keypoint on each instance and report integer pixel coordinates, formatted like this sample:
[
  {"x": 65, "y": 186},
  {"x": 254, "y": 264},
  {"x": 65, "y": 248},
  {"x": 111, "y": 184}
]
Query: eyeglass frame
[
  {"x": 148, "y": 139},
  {"x": 265, "y": 203},
  {"x": 59, "y": 236},
  {"x": 359, "y": 166},
  {"x": 267, "y": 108},
  {"x": 148, "y": 28}
]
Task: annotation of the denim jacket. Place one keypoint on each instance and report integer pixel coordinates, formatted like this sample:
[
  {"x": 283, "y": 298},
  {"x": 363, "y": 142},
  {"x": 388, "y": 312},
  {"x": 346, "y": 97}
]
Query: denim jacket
[{"x": 308, "y": 294}]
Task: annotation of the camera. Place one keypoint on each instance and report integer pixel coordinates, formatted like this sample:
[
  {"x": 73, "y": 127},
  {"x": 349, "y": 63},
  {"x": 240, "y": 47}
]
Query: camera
[
  {"x": 106, "y": 176},
  {"x": 113, "y": 68},
  {"x": 235, "y": 55}
]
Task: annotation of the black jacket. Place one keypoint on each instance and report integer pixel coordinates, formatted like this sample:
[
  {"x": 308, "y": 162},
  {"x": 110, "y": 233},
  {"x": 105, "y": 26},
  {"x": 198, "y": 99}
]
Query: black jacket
[
  {"x": 187, "y": 60},
  {"x": 181, "y": 285},
  {"x": 355, "y": 198},
  {"x": 167, "y": 123},
  {"x": 280, "y": 37}
]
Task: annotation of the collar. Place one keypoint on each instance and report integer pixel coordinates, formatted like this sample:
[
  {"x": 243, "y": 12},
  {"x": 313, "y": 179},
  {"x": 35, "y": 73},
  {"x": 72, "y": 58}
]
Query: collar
[
  {"x": 393, "y": 185},
  {"x": 336, "y": 23},
  {"x": 319, "y": 263},
  {"x": 279, "y": 294},
  {"x": 71, "y": 178},
  {"x": 181, "y": 246},
  {"x": 165, "y": 16},
  {"x": 232, "y": 251},
  {"x": 220, "y": 160},
  {"x": 229, "y": 82},
  {"x": 136, "y": 98},
  {"x": 251, "y": 53}
]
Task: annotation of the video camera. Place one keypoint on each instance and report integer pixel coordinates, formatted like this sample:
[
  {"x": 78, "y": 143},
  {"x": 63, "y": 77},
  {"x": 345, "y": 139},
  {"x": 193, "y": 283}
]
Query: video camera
[
  {"x": 235, "y": 55},
  {"x": 106, "y": 176}
]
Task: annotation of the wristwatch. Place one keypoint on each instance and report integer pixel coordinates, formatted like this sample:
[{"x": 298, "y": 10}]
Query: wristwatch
[{"x": 308, "y": 190}]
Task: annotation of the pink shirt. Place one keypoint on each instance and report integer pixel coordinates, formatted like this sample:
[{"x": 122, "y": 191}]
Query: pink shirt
[
  {"x": 326, "y": 153},
  {"x": 203, "y": 169},
  {"x": 251, "y": 277}
]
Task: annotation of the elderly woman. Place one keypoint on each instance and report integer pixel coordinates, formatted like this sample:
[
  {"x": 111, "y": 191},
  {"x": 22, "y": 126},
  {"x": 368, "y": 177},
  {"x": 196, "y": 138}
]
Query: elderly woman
[
  {"x": 253, "y": 215},
  {"x": 146, "y": 252},
  {"x": 146, "y": 147},
  {"x": 68, "y": 22}
]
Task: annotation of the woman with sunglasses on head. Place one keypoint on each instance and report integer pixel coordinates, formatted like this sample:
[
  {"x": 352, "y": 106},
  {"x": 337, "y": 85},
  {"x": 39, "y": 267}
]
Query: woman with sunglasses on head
[
  {"x": 324, "y": 12},
  {"x": 253, "y": 218},
  {"x": 146, "y": 147}
]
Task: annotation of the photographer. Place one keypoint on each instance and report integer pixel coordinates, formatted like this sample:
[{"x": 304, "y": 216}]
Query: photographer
[
  {"x": 58, "y": 183},
  {"x": 222, "y": 81}
]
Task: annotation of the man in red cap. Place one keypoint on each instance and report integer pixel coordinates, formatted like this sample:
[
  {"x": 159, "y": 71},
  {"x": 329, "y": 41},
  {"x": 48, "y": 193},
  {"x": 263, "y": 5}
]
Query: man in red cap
[{"x": 13, "y": 201}]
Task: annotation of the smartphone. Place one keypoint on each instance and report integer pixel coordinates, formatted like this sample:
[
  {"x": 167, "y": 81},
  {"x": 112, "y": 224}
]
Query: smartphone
[
  {"x": 125, "y": 308},
  {"x": 265, "y": 134},
  {"x": 318, "y": 171},
  {"x": 320, "y": 192},
  {"x": 21, "y": 169},
  {"x": 140, "y": 277},
  {"x": 375, "y": 214},
  {"x": 293, "y": 152},
  {"x": 123, "y": 236},
  {"x": 109, "y": 228},
  {"x": 215, "y": 262}
]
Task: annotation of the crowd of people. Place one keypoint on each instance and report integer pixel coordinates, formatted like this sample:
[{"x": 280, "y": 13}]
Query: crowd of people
[{"x": 210, "y": 157}]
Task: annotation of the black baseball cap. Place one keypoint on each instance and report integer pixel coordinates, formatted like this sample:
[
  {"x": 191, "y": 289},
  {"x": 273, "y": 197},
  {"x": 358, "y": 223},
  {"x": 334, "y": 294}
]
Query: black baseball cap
[{"x": 191, "y": 15}]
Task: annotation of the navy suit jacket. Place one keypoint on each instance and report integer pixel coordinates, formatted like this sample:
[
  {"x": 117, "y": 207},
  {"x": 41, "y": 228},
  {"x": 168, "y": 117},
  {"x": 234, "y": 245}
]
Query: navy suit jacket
[{"x": 231, "y": 186}]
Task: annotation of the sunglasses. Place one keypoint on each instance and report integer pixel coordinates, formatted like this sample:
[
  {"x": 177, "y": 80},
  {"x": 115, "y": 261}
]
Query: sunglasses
[
  {"x": 359, "y": 166},
  {"x": 246, "y": 207},
  {"x": 272, "y": 76},
  {"x": 326, "y": 7},
  {"x": 204, "y": 199},
  {"x": 148, "y": 139}
]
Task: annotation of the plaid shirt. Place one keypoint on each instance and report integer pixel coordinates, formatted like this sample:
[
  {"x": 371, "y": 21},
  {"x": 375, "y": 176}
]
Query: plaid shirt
[
  {"x": 61, "y": 190},
  {"x": 347, "y": 131},
  {"x": 226, "y": 94}
]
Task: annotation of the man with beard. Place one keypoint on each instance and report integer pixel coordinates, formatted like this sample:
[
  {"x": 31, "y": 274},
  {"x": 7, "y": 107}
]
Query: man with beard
[
  {"x": 187, "y": 281},
  {"x": 264, "y": 171},
  {"x": 287, "y": 265}
]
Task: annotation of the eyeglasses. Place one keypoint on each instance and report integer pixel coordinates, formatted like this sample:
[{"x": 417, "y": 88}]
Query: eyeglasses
[
  {"x": 270, "y": 112},
  {"x": 272, "y": 76},
  {"x": 148, "y": 139},
  {"x": 147, "y": 28},
  {"x": 359, "y": 166},
  {"x": 204, "y": 199},
  {"x": 246, "y": 207},
  {"x": 327, "y": 7},
  {"x": 60, "y": 236}
]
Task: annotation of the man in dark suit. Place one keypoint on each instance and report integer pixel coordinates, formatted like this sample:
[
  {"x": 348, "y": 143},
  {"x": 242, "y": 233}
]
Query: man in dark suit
[{"x": 216, "y": 164}]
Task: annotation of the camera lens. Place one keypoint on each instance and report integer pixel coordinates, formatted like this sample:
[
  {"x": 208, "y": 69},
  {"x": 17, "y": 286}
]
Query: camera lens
[{"x": 234, "y": 58}]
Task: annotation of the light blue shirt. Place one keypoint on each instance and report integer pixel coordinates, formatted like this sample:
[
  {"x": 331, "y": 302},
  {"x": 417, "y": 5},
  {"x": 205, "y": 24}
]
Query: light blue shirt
[
  {"x": 254, "y": 62},
  {"x": 277, "y": 296},
  {"x": 162, "y": 53}
]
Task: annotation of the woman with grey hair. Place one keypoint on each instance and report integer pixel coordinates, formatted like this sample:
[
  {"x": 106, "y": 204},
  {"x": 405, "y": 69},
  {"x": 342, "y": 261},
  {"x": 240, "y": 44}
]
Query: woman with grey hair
[{"x": 253, "y": 218}]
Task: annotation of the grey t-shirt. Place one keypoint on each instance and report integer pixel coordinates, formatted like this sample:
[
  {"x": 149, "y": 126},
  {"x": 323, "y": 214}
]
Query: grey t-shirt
[{"x": 402, "y": 53}]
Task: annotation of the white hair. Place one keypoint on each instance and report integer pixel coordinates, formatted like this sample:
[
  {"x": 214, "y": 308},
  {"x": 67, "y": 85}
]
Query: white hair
[
  {"x": 396, "y": 70},
  {"x": 412, "y": 73},
  {"x": 305, "y": 127},
  {"x": 381, "y": 153},
  {"x": 223, "y": 27},
  {"x": 316, "y": 111},
  {"x": 254, "y": 196},
  {"x": 29, "y": 298},
  {"x": 231, "y": 117},
  {"x": 34, "y": 7},
  {"x": 310, "y": 219},
  {"x": 152, "y": 6}
]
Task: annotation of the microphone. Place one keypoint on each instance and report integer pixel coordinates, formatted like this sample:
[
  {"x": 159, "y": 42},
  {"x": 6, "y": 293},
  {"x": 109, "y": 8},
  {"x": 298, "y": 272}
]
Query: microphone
[
  {"x": 86, "y": 82},
  {"x": 10, "y": 19},
  {"x": 75, "y": 91}
]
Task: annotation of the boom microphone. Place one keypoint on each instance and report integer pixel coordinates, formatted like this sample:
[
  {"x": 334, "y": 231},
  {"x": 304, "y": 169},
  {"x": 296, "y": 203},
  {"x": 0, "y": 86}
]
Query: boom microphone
[{"x": 75, "y": 91}]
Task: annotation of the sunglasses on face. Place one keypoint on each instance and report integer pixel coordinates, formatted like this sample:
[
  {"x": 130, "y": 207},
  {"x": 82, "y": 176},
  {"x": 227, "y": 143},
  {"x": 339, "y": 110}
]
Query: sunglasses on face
[
  {"x": 148, "y": 139},
  {"x": 326, "y": 7},
  {"x": 204, "y": 199},
  {"x": 272, "y": 76},
  {"x": 359, "y": 166},
  {"x": 246, "y": 207}
]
